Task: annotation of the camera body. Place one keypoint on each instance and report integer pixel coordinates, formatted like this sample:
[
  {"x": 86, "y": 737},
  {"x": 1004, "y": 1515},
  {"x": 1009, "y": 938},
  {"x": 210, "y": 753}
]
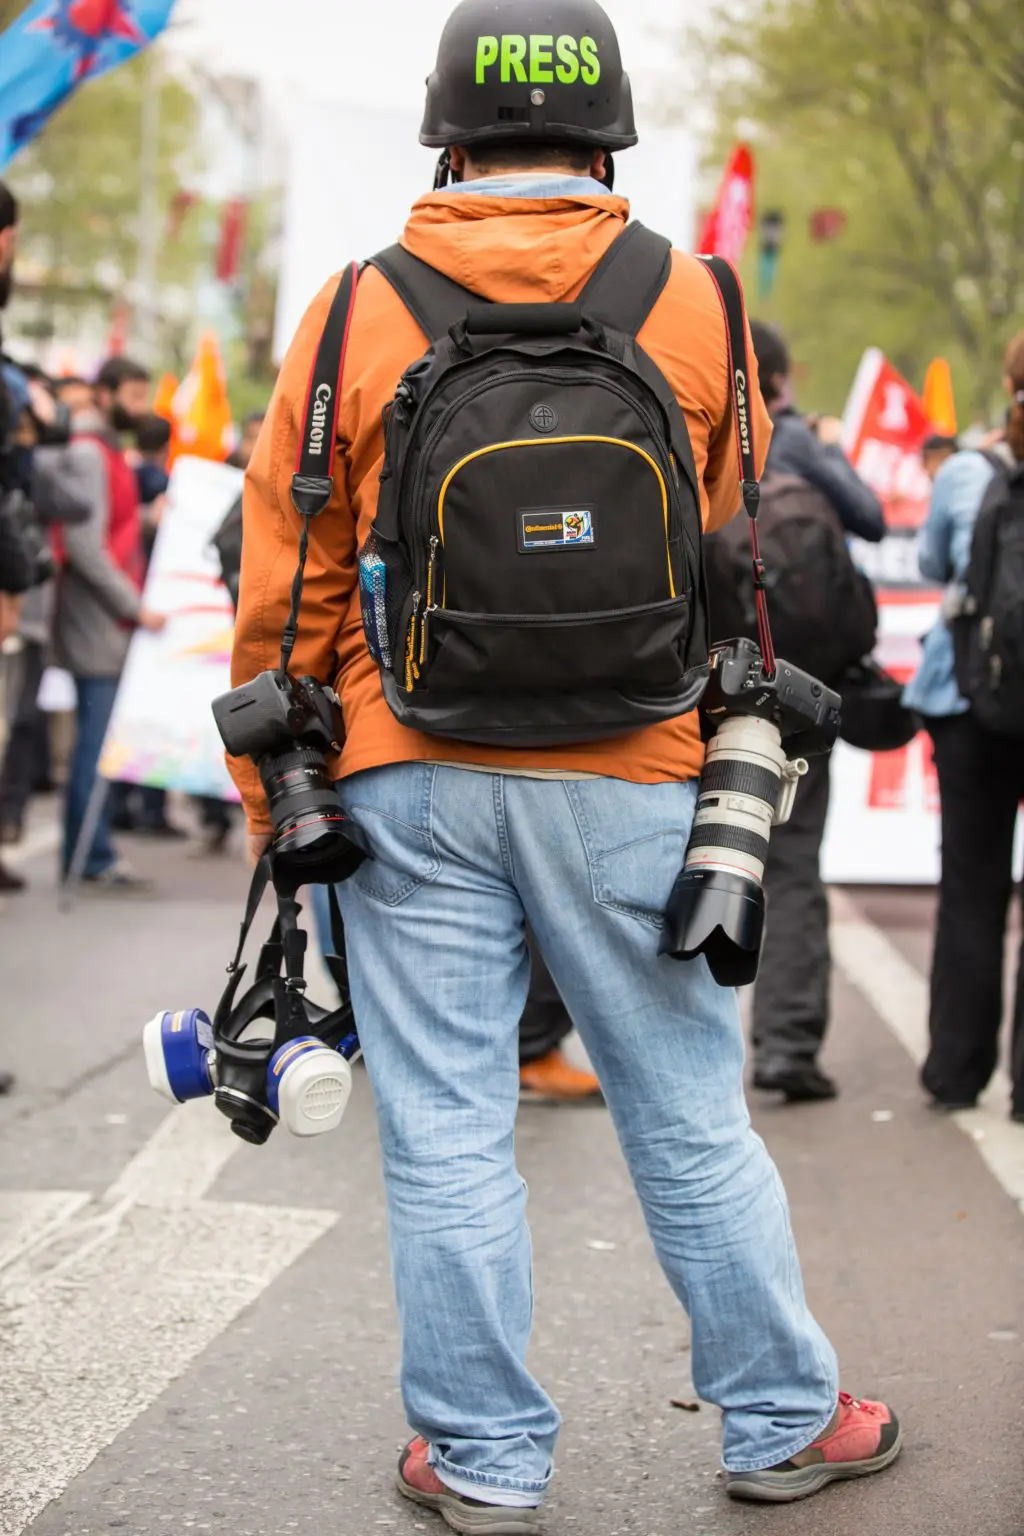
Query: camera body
[
  {"x": 287, "y": 725},
  {"x": 804, "y": 712},
  {"x": 759, "y": 730},
  {"x": 277, "y": 711}
]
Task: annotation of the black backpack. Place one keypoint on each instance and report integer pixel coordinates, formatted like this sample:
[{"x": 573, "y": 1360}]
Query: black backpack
[
  {"x": 227, "y": 541},
  {"x": 823, "y": 610},
  {"x": 988, "y": 635},
  {"x": 534, "y": 573}
]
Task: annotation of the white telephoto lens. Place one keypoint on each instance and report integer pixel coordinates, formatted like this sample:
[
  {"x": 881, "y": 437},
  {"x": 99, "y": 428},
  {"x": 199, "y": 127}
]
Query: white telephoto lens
[{"x": 738, "y": 792}]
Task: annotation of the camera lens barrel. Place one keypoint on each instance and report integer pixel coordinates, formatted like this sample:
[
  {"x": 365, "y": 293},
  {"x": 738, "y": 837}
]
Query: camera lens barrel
[
  {"x": 739, "y": 790},
  {"x": 304, "y": 805}
]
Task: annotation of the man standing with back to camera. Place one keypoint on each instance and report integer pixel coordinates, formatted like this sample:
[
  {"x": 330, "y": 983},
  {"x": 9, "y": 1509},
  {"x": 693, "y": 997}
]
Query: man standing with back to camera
[{"x": 584, "y": 842}]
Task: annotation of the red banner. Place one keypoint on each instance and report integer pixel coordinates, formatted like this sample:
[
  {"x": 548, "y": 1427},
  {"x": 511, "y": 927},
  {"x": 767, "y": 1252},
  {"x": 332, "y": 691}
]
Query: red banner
[
  {"x": 232, "y": 240},
  {"x": 885, "y": 426},
  {"x": 728, "y": 224}
]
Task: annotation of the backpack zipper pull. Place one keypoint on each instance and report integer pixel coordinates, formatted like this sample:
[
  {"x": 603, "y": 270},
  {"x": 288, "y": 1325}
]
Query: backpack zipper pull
[
  {"x": 431, "y": 602},
  {"x": 412, "y": 670}
]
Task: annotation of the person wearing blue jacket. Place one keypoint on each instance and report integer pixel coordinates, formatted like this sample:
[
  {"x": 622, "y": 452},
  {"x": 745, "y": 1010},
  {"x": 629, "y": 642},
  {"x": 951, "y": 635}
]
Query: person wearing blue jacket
[{"x": 981, "y": 783}]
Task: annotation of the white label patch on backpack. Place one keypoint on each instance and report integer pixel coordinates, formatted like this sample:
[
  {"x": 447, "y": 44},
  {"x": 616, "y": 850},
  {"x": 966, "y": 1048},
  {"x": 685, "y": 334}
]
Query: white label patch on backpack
[{"x": 546, "y": 528}]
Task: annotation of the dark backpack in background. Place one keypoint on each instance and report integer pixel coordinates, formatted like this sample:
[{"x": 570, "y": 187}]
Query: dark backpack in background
[
  {"x": 988, "y": 634},
  {"x": 227, "y": 541},
  {"x": 822, "y": 608},
  {"x": 533, "y": 576}
]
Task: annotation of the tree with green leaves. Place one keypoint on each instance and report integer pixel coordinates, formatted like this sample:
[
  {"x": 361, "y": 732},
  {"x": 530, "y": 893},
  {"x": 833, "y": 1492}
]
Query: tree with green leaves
[
  {"x": 907, "y": 116},
  {"x": 80, "y": 183}
]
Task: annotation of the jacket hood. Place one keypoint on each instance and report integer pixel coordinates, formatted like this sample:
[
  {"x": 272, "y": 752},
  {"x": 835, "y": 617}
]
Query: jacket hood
[{"x": 514, "y": 249}]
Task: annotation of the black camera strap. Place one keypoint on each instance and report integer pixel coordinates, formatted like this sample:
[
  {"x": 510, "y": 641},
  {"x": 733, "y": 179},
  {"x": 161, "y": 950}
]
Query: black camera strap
[
  {"x": 730, "y": 294},
  {"x": 313, "y": 480}
]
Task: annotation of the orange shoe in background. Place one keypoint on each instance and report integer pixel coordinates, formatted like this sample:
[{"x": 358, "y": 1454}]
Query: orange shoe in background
[{"x": 556, "y": 1080}]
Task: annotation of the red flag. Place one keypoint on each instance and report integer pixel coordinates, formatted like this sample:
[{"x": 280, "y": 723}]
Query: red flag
[
  {"x": 728, "y": 224},
  {"x": 232, "y": 239},
  {"x": 885, "y": 426}
]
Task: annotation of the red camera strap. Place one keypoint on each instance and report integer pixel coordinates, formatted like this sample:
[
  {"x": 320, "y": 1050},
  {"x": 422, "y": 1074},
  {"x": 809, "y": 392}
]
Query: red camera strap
[{"x": 730, "y": 294}]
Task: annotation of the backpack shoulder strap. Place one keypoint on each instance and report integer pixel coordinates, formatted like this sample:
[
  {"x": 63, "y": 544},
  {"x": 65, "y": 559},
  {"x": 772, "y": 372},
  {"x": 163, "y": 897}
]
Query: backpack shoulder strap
[
  {"x": 435, "y": 302},
  {"x": 628, "y": 280}
]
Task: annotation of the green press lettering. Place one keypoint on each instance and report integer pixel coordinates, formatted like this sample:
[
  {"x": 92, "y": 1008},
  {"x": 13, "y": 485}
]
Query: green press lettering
[
  {"x": 568, "y": 67},
  {"x": 513, "y": 52},
  {"x": 590, "y": 64},
  {"x": 541, "y": 72},
  {"x": 486, "y": 55}
]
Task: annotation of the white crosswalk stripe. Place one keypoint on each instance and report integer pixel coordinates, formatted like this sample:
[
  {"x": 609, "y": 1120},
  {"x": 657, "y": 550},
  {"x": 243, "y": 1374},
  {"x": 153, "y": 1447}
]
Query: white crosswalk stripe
[{"x": 104, "y": 1302}]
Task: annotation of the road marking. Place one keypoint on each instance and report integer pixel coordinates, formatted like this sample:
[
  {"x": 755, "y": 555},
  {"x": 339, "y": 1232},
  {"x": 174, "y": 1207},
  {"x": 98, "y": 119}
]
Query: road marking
[
  {"x": 898, "y": 994},
  {"x": 104, "y": 1302}
]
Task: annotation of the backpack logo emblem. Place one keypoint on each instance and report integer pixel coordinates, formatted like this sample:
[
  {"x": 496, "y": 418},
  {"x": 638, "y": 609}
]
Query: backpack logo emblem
[{"x": 543, "y": 418}]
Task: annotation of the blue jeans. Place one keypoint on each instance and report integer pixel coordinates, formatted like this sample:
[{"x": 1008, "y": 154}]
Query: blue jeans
[
  {"x": 95, "y": 705},
  {"x": 439, "y": 971}
]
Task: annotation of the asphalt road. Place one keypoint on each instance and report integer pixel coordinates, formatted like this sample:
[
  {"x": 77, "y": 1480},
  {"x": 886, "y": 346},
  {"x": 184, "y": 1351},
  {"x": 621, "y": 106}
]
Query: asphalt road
[{"x": 198, "y": 1335}]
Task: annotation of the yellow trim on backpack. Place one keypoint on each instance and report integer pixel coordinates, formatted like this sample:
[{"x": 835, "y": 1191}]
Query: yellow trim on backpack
[{"x": 545, "y": 442}]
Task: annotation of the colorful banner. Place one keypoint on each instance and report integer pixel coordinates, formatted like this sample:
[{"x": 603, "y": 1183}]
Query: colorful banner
[
  {"x": 883, "y": 823},
  {"x": 55, "y": 46},
  {"x": 728, "y": 224},
  {"x": 162, "y": 731}
]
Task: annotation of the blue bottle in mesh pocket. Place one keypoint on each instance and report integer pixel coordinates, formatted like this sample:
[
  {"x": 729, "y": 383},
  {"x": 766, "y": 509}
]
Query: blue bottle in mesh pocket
[{"x": 373, "y": 601}]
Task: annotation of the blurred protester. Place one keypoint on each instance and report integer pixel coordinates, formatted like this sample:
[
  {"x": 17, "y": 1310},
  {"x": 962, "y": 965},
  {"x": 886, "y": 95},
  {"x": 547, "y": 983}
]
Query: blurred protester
[
  {"x": 791, "y": 999},
  {"x": 981, "y": 784},
  {"x": 53, "y": 497},
  {"x": 36, "y": 490},
  {"x": 153, "y": 445},
  {"x": 142, "y": 808},
  {"x": 251, "y": 425},
  {"x": 99, "y": 601},
  {"x": 216, "y": 816},
  {"x": 935, "y": 450},
  {"x": 74, "y": 393}
]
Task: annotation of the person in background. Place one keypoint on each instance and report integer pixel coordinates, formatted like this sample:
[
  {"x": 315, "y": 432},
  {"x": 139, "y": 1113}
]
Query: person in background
[
  {"x": 981, "y": 784},
  {"x": 73, "y": 392},
  {"x": 216, "y": 815},
  {"x": 251, "y": 425},
  {"x": 791, "y": 999},
  {"x": 53, "y": 498},
  {"x": 935, "y": 450},
  {"x": 142, "y": 808},
  {"x": 153, "y": 445},
  {"x": 99, "y": 601}
]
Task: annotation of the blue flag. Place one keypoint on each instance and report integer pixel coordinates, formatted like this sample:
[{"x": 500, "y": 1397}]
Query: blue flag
[{"x": 56, "y": 45}]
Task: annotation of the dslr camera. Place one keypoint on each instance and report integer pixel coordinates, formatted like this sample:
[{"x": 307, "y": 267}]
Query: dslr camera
[
  {"x": 760, "y": 731},
  {"x": 287, "y": 725}
]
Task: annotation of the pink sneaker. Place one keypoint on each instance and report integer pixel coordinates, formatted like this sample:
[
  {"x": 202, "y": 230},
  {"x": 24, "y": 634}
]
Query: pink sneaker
[
  {"x": 861, "y": 1438},
  {"x": 418, "y": 1481}
]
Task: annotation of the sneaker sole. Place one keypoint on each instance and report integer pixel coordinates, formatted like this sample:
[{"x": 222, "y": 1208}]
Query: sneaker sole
[
  {"x": 786, "y": 1487},
  {"x": 492, "y": 1520}
]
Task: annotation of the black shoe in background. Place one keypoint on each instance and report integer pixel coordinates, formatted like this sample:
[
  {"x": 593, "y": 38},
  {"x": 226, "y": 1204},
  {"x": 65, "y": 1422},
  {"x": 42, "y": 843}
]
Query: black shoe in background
[{"x": 799, "y": 1082}]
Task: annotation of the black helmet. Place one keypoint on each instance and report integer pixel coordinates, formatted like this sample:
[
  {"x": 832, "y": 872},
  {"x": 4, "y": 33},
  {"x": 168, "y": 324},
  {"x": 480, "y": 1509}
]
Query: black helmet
[{"x": 548, "y": 70}]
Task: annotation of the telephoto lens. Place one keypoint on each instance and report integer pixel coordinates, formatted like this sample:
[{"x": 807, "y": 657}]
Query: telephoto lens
[
  {"x": 717, "y": 903},
  {"x": 759, "y": 726}
]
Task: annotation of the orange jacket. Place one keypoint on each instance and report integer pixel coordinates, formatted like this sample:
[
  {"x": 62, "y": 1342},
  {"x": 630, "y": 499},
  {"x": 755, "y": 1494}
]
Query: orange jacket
[{"x": 511, "y": 250}]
